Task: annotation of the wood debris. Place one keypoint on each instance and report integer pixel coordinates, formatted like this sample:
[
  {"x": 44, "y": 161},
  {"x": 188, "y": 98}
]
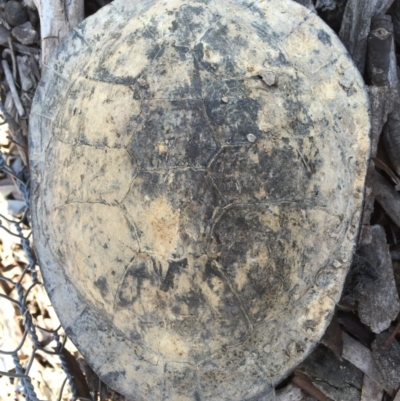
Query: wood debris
[
  {"x": 337, "y": 379},
  {"x": 371, "y": 390},
  {"x": 361, "y": 357},
  {"x": 388, "y": 359},
  {"x": 379, "y": 305}
]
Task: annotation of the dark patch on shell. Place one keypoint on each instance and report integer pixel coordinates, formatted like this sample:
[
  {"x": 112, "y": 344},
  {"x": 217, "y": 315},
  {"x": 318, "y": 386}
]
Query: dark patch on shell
[
  {"x": 180, "y": 136},
  {"x": 215, "y": 40},
  {"x": 113, "y": 377},
  {"x": 249, "y": 174},
  {"x": 174, "y": 268},
  {"x": 253, "y": 7},
  {"x": 102, "y": 285},
  {"x": 185, "y": 17},
  {"x": 157, "y": 51},
  {"x": 234, "y": 120},
  {"x": 242, "y": 235},
  {"x": 130, "y": 290},
  {"x": 324, "y": 37}
]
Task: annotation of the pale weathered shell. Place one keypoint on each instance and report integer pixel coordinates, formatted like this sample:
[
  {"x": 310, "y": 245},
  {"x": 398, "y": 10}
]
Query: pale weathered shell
[{"x": 197, "y": 177}]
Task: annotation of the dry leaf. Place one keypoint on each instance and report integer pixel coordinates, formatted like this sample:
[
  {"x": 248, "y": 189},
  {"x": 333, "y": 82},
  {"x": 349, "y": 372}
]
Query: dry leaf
[
  {"x": 361, "y": 357},
  {"x": 371, "y": 391}
]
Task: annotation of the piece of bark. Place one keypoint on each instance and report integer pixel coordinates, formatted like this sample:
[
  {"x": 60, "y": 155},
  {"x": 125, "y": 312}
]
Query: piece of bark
[
  {"x": 387, "y": 197},
  {"x": 57, "y": 18},
  {"x": 371, "y": 391},
  {"x": 382, "y": 103},
  {"x": 338, "y": 380},
  {"x": 383, "y": 93},
  {"x": 391, "y": 138},
  {"x": 396, "y": 269},
  {"x": 379, "y": 305},
  {"x": 353, "y": 325},
  {"x": 395, "y": 13},
  {"x": 387, "y": 359},
  {"x": 382, "y": 63},
  {"x": 361, "y": 275},
  {"x": 289, "y": 393},
  {"x": 303, "y": 381},
  {"x": 13, "y": 88},
  {"x": 387, "y": 5},
  {"x": 332, "y": 338},
  {"x": 383, "y": 166},
  {"x": 356, "y": 27},
  {"x": 361, "y": 357}
]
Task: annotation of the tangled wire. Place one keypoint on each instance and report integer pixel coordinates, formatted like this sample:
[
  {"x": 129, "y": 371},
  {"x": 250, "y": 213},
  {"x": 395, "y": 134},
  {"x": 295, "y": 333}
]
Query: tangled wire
[{"x": 30, "y": 328}]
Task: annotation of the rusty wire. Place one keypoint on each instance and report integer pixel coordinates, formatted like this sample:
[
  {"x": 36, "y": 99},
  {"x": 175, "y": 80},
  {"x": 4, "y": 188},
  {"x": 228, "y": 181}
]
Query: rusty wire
[{"x": 21, "y": 371}]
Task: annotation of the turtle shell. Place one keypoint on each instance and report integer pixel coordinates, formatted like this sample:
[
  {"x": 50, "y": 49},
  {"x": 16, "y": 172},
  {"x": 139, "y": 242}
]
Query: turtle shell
[{"x": 197, "y": 176}]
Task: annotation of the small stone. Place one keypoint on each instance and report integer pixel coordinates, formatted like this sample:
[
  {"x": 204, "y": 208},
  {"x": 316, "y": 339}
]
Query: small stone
[
  {"x": 336, "y": 264},
  {"x": 224, "y": 99},
  {"x": 15, "y": 13},
  {"x": 291, "y": 349},
  {"x": 268, "y": 77},
  {"x": 343, "y": 257},
  {"x": 25, "y": 33},
  {"x": 267, "y": 349},
  {"x": 251, "y": 138},
  {"x": 2, "y": 4}
]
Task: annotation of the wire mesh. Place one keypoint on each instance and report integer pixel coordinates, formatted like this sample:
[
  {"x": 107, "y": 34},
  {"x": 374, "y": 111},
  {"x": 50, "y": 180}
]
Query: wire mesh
[{"x": 21, "y": 372}]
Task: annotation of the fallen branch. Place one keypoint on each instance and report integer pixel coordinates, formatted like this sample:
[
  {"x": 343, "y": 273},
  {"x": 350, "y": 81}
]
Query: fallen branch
[{"x": 57, "y": 18}]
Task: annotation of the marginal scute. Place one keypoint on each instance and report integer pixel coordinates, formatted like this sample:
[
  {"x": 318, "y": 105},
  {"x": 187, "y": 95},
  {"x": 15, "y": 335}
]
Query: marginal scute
[{"x": 197, "y": 172}]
